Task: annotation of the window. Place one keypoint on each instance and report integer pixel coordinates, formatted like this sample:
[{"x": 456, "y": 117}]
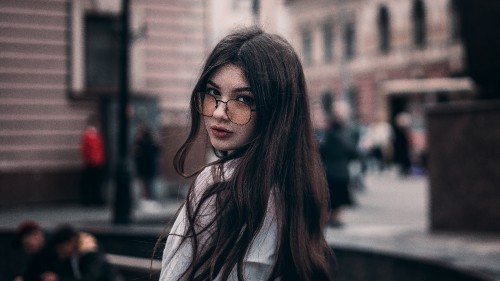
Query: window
[
  {"x": 352, "y": 99},
  {"x": 384, "y": 31},
  {"x": 328, "y": 42},
  {"x": 102, "y": 51},
  {"x": 349, "y": 41},
  {"x": 327, "y": 102},
  {"x": 307, "y": 47},
  {"x": 419, "y": 30},
  {"x": 454, "y": 20},
  {"x": 256, "y": 7}
]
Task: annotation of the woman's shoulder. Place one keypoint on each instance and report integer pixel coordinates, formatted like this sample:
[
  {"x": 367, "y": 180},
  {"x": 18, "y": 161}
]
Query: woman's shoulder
[
  {"x": 216, "y": 173},
  {"x": 212, "y": 174},
  {"x": 204, "y": 179},
  {"x": 204, "y": 176}
]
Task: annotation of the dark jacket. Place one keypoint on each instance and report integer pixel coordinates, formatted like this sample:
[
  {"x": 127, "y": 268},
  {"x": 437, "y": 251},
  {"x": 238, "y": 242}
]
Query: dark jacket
[{"x": 337, "y": 150}]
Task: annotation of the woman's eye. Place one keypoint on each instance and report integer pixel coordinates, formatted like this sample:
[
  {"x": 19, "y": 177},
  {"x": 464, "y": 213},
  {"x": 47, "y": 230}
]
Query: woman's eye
[
  {"x": 213, "y": 92},
  {"x": 246, "y": 100}
]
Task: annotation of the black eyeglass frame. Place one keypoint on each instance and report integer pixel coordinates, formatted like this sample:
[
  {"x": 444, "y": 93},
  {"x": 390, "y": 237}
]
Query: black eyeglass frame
[{"x": 199, "y": 107}]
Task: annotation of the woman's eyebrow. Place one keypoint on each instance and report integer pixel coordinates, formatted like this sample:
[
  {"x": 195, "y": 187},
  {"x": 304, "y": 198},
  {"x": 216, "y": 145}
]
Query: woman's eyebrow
[
  {"x": 242, "y": 89},
  {"x": 213, "y": 84},
  {"x": 235, "y": 90}
]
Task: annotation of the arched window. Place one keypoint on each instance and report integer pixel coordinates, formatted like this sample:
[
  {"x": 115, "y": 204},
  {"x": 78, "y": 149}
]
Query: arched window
[
  {"x": 384, "y": 30},
  {"x": 307, "y": 47},
  {"x": 327, "y": 102},
  {"x": 328, "y": 42},
  {"x": 454, "y": 20},
  {"x": 352, "y": 99},
  {"x": 255, "y": 7},
  {"x": 349, "y": 40},
  {"x": 419, "y": 30}
]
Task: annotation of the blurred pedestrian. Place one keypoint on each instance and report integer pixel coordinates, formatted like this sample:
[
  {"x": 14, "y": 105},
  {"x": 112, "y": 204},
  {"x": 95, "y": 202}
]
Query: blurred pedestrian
[
  {"x": 71, "y": 255},
  {"x": 378, "y": 142},
  {"x": 145, "y": 154},
  {"x": 337, "y": 152},
  {"x": 258, "y": 211},
  {"x": 28, "y": 242},
  {"x": 94, "y": 158},
  {"x": 402, "y": 143}
]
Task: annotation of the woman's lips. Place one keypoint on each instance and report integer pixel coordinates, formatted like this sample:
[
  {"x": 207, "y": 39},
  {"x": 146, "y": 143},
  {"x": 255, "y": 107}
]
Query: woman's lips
[{"x": 220, "y": 132}]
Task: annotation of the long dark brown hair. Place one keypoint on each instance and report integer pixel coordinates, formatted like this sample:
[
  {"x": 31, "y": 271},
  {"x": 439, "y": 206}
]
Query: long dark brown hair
[{"x": 282, "y": 159}]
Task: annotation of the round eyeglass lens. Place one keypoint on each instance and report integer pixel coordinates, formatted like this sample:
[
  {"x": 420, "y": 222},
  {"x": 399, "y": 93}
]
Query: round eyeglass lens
[
  {"x": 206, "y": 104},
  {"x": 238, "y": 112}
]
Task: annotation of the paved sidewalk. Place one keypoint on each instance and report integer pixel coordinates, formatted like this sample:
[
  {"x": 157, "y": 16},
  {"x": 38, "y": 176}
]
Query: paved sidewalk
[
  {"x": 390, "y": 217},
  {"x": 147, "y": 215}
]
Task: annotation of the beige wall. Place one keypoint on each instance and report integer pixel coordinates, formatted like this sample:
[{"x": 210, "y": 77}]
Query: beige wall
[
  {"x": 225, "y": 15},
  {"x": 43, "y": 106},
  {"x": 39, "y": 125}
]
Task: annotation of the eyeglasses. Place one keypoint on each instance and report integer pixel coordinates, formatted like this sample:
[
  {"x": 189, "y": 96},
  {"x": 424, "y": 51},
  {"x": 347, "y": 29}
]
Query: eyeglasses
[{"x": 237, "y": 111}]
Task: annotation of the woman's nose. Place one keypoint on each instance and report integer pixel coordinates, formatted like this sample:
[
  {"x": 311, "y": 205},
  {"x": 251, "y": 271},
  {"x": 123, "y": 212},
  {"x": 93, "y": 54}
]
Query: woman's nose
[{"x": 221, "y": 111}]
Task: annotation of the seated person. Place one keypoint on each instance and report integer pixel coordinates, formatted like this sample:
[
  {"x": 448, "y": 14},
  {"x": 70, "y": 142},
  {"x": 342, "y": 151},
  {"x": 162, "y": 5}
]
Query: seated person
[{"x": 71, "y": 255}]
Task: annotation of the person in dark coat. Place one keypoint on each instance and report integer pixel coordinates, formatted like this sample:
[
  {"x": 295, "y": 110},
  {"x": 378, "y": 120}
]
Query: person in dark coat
[
  {"x": 146, "y": 159},
  {"x": 337, "y": 151},
  {"x": 402, "y": 143}
]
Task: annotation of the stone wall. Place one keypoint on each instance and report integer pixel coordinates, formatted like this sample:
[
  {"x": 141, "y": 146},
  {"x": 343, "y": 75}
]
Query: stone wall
[
  {"x": 464, "y": 166},
  {"x": 38, "y": 187}
]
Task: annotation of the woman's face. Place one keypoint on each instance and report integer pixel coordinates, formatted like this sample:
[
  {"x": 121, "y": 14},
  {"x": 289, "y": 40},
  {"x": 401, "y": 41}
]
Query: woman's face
[{"x": 229, "y": 83}]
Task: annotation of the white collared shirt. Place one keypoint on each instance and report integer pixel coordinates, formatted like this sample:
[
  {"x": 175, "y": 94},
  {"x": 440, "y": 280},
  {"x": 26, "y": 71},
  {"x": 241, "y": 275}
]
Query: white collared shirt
[{"x": 259, "y": 260}]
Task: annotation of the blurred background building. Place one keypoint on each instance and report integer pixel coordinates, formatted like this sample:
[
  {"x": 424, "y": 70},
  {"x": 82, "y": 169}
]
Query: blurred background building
[{"x": 59, "y": 65}]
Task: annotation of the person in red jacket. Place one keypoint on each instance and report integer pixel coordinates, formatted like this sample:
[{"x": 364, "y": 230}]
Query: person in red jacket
[{"x": 94, "y": 159}]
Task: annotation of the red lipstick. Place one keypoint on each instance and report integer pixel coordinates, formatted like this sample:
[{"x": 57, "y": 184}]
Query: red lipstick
[{"x": 220, "y": 132}]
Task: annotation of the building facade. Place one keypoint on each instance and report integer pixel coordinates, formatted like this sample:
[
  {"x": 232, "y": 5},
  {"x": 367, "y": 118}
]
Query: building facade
[
  {"x": 59, "y": 64},
  {"x": 381, "y": 56}
]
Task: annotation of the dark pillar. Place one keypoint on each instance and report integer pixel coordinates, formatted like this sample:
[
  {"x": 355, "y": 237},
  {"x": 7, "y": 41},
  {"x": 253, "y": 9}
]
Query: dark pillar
[
  {"x": 122, "y": 206},
  {"x": 480, "y": 20},
  {"x": 463, "y": 137}
]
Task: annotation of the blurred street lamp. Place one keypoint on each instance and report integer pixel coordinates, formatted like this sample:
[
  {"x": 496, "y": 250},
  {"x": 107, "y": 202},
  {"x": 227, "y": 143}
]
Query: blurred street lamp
[{"x": 122, "y": 203}]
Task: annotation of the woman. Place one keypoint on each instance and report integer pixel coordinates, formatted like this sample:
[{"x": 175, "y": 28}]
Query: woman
[{"x": 258, "y": 212}]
